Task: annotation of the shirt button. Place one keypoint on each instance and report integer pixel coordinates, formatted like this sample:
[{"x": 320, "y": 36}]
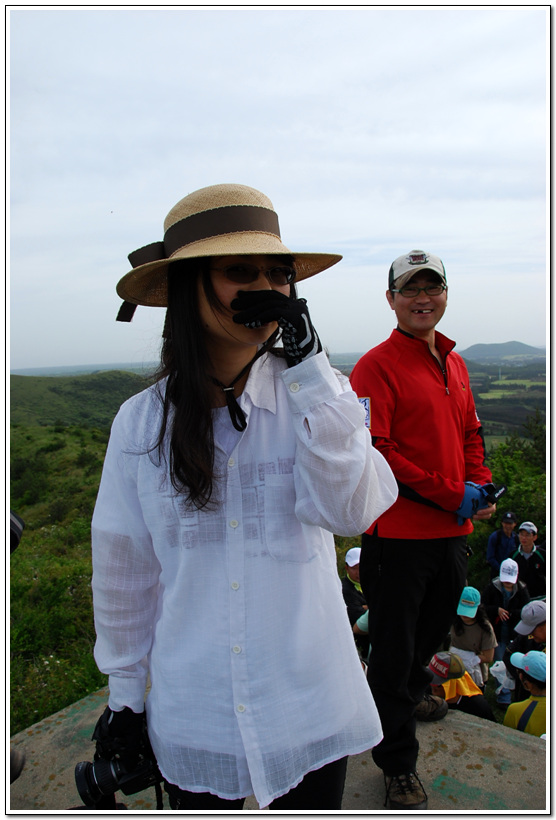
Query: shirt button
[
  {"x": 241, "y": 707},
  {"x": 235, "y": 585},
  {"x": 236, "y": 650},
  {"x": 231, "y": 462},
  {"x": 294, "y": 387},
  {"x": 234, "y": 523}
]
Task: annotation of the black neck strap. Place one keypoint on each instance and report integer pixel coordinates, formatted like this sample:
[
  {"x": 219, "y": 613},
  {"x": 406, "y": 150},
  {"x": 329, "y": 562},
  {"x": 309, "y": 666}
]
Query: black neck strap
[{"x": 236, "y": 413}]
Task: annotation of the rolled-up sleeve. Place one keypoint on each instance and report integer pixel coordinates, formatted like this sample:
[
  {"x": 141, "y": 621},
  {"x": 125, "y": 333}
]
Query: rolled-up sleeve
[{"x": 343, "y": 483}]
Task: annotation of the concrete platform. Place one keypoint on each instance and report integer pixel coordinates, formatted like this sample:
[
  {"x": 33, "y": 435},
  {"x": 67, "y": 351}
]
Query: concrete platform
[{"x": 466, "y": 765}]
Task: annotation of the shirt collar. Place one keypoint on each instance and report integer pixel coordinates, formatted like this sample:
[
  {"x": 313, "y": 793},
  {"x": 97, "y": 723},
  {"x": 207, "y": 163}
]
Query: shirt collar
[
  {"x": 260, "y": 389},
  {"x": 443, "y": 344}
]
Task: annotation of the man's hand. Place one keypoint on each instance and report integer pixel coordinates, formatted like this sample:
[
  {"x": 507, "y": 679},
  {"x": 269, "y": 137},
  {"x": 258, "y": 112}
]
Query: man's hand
[
  {"x": 474, "y": 499},
  {"x": 503, "y": 614},
  {"x": 258, "y": 307},
  {"x": 485, "y": 513}
]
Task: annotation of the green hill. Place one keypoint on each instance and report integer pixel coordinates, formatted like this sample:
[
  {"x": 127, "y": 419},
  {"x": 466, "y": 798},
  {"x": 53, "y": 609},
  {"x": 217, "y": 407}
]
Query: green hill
[
  {"x": 503, "y": 353},
  {"x": 91, "y": 400}
]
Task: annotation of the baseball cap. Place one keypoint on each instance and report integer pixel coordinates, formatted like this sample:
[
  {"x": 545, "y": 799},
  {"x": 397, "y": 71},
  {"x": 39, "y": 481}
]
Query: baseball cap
[
  {"x": 353, "y": 556},
  {"x": 446, "y": 666},
  {"x": 529, "y": 526},
  {"x": 509, "y": 516},
  {"x": 404, "y": 267},
  {"x": 532, "y": 614},
  {"x": 509, "y": 571},
  {"x": 533, "y": 663},
  {"x": 469, "y": 602}
]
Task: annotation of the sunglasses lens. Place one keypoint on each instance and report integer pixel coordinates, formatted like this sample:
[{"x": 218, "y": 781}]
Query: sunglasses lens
[
  {"x": 245, "y": 273},
  {"x": 282, "y": 275},
  {"x": 242, "y": 274}
]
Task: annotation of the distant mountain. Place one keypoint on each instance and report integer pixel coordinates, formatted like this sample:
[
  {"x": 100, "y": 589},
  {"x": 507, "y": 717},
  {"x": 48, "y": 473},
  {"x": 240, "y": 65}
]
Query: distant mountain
[{"x": 503, "y": 353}]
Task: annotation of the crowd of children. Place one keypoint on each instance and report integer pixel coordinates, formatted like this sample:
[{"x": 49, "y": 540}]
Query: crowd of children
[{"x": 506, "y": 623}]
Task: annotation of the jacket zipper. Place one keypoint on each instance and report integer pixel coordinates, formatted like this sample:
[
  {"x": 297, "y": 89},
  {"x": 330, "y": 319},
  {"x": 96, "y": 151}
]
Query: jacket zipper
[{"x": 442, "y": 370}]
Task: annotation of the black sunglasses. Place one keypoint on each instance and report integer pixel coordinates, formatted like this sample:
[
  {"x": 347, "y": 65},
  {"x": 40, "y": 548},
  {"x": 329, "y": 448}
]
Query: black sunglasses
[{"x": 243, "y": 273}]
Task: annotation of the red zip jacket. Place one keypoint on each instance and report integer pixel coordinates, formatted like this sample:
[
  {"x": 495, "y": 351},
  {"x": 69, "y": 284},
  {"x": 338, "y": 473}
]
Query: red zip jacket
[{"x": 424, "y": 422}]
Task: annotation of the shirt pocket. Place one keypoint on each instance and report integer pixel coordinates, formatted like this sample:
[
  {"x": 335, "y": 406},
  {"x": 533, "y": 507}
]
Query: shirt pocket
[{"x": 286, "y": 538}]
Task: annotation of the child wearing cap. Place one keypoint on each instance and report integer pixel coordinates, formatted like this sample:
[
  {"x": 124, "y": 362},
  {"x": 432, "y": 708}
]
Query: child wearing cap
[
  {"x": 531, "y": 560},
  {"x": 451, "y": 682},
  {"x": 530, "y": 635},
  {"x": 529, "y": 715},
  {"x": 502, "y": 543},
  {"x": 354, "y": 599},
  {"x": 473, "y": 636},
  {"x": 503, "y": 600}
]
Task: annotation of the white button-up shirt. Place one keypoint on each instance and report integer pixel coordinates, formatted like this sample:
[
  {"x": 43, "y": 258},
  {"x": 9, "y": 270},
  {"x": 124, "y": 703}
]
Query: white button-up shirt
[{"x": 237, "y": 613}]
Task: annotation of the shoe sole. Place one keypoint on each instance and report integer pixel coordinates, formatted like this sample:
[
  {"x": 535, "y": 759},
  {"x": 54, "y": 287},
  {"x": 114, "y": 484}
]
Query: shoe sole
[{"x": 404, "y": 807}]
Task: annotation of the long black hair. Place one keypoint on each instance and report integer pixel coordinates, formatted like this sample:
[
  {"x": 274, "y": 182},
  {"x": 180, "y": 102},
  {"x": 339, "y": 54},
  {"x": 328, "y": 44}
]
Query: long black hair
[
  {"x": 187, "y": 398},
  {"x": 481, "y": 618}
]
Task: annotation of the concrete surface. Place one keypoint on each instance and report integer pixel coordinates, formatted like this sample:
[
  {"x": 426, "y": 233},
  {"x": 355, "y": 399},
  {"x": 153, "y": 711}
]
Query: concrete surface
[{"x": 466, "y": 765}]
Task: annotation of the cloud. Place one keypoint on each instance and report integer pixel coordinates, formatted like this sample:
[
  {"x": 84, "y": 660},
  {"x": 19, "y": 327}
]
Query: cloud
[{"x": 373, "y": 130}]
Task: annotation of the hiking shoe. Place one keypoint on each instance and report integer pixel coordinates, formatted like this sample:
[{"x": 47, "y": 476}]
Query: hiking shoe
[
  {"x": 431, "y": 708},
  {"x": 405, "y": 792}
]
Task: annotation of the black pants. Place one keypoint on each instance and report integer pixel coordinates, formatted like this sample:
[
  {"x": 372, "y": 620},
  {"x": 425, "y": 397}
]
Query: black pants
[
  {"x": 412, "y": 589},
  {"x": 476, "y": 705},
  {"x": 320, "y": 790}
]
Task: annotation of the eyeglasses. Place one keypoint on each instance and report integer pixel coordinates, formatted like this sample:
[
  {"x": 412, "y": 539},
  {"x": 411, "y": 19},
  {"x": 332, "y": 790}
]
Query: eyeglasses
[
  {"x": 412, "y": 290},
  {"x": 244, "y": 273}
]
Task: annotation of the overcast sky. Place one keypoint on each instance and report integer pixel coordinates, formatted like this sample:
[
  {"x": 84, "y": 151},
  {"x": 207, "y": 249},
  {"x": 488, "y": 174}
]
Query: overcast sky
[{"x": 373, "y": 130}]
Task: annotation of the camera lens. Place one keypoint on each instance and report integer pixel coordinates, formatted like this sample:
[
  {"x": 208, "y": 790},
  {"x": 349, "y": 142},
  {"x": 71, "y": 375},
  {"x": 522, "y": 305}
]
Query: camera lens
[{"x": 94, "y": 781}]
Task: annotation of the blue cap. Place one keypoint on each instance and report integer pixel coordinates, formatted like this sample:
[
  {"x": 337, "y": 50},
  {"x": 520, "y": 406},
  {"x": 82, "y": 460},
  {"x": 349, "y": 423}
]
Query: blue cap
[
  {"x": 533, "y": 663},
  {"x": 469, "y": 602}
]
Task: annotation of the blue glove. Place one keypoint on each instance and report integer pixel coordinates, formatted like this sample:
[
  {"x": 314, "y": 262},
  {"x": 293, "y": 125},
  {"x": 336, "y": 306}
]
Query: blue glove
[{"x": 475, "y": 498}]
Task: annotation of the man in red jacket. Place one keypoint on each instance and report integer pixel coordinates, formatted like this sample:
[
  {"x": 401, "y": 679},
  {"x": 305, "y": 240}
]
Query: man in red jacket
[{"x": 422, "y": 418}]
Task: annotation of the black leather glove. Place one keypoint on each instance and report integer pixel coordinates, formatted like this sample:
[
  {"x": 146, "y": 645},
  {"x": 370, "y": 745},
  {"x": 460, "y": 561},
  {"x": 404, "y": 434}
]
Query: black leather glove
[
  {"x": 121, "y": 734},
  {"x": 257, "y": 307}
]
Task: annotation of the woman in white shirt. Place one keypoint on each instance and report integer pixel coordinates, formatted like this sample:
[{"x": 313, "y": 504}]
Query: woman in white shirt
[{"x": 214, "y": 569}]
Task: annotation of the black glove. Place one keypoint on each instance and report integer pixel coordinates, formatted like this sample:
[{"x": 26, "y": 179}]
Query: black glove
[
  {"x": 257, "y": 307},
  {"x": 121, "y": 734}
]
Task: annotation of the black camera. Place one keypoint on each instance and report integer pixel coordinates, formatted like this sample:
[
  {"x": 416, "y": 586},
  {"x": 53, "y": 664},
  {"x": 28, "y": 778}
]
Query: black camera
[
  {"x": 102, "y": 778},
  {"x": 111, "y": 772}
]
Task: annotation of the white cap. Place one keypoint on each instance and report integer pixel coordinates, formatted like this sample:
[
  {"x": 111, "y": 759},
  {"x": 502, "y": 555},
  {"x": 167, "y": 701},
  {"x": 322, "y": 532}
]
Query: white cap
[
  {"x": 405, "y": 267},
  {"x": 353, "y": 556},
  {"x": 529, "y": 526},
  {"x": 509, "y": 571}
]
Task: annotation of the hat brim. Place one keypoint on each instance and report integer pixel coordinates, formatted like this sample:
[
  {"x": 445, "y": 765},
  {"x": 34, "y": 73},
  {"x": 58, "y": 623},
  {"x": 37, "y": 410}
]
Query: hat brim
[
  {"x": 468, "y": 611},
  {"x": 523, "y": 629},
  {"x": 147, "y": 284},
  {"x": 404, "y": 278}
]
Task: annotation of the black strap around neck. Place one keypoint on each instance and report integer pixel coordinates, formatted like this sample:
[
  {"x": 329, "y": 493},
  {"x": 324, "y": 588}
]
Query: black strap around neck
[{"x": 236, "y": 413}]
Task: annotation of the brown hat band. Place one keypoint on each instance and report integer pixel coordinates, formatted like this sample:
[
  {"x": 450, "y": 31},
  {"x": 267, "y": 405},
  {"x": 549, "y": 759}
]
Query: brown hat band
[{"x": 217, "y": 221}]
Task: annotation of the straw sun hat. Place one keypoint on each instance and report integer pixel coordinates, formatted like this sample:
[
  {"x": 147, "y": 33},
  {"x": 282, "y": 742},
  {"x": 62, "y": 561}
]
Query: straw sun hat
[{"x": 220, "y": 220}]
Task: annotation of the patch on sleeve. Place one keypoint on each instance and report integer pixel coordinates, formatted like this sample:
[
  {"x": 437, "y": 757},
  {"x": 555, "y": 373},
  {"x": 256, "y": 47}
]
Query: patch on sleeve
[{"x": 365, "y": 402}]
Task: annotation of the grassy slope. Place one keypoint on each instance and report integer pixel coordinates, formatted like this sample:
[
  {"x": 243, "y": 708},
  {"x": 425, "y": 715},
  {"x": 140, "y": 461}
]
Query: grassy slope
[
  {"x": 54, "y": 486},
  {"x": 92, "y": 400},
  {"x": 58, "y": 440}
]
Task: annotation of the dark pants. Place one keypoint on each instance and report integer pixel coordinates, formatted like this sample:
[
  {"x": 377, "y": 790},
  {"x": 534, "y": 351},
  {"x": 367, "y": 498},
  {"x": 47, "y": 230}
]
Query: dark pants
[
  {"x": 476, "y": 705},
  {"x": 320, "y": 790},
  {"x": 412, "y": 589}
]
